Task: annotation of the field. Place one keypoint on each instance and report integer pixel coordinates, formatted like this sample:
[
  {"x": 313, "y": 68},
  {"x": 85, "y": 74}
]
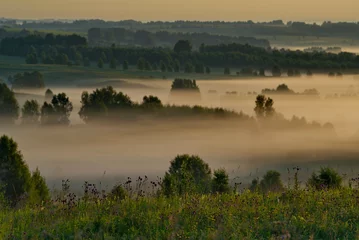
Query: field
[
  {"x": 293, "y": 214},
  {"x": 59, "y": 75}
]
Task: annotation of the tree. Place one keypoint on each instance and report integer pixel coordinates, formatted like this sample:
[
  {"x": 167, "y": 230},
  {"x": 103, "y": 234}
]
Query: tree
[
  {"x": 31, "y": 59},
  {"x": 103, "y": 103},
  {"x": 148, "y": 66},
  {"x": 104, "y": 57},
  {"x": 227, "y": 71},
  {"x": 199, "y": 68},
  {"x": 309, "y": 73},
  {"x": 187, "y": 174},
  {"x": 113, "y": 63},
  {"x": 176, "y": 66},
  {"x": 276, "y": 71},
  {"x": 327, "y": 178},
  {"x": 118, "y": 193},
  {"x": 62, "y": 59},
  {"x": 58, "y": 111},
  {"x": 151, "y": 102},
  {"x": 87, "y": 62},
  {"x": 100, "y": 63},
  {"x": 141, "y": 64},
  {"x": 264, "y": 107},
  {"x": 188, "y": 68},
  {"x": 31, "y": 112},
  {"x": 48, "y": 95},
  {"x": 220, "y": 181},
  {"x": 125, "y": 65},
  {"x": 290, "y": 73},
  {"x": 208, "y": 70},
  {"x": 271, "y": 182},
  {"x": 28, "y": 80},
  {"x": 183, "y": 46},
  {"x": 15, "y": 177},
  {"x": 262, "y": 72},
  {"x": 39, "y": 191},
  {"x": 163, "y": 66},
  {"x": 9, "y": 107}
]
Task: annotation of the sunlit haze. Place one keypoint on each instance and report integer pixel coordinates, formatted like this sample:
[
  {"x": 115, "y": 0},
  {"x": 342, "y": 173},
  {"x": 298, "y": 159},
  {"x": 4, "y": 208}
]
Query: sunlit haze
[{"x": 228, "y": 10}]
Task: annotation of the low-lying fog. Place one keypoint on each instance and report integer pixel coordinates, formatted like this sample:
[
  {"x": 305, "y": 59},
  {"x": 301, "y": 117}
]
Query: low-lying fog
[{"x": 109, "y": 154}]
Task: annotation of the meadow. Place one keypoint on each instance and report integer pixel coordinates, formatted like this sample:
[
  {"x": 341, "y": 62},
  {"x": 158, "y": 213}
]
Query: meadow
[{"x": 293, "y": 214}]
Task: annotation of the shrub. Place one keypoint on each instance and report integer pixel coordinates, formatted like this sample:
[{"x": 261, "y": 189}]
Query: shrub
[
  {"x": 220, "y": 181},
  {"x": 118, "y": 193},
  {"x": 9, "y": 107},
  {"x": 187, "y": 174},
  {"x": 15, "y": 177},
  {"x": 31, "y": 112},
  {"x": 271, "y": 182},
  {"x": 39, "y": 191},
  {"x": 326, "y": 178}
]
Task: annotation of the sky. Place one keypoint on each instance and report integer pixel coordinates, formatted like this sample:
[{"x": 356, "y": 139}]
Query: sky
[{"x": 146, "y": 10}]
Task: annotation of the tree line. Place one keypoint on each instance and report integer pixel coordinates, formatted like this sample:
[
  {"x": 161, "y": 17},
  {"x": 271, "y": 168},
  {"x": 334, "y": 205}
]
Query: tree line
[
  {"x": 143, "y": 38},
  {"x": 38, "y": 50}
]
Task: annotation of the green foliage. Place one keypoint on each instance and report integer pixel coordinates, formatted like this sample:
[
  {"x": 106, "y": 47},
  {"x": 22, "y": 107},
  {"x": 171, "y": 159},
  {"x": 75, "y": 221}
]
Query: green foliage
[
  {"x": 48, "y": 95},
  {"x": 326, "y": 178},
  {"x": 163, "y": 66},
  {"x": 183, "y": 46},
  {"x": 15, "y": 176},
  {"x": 113, "y": 63},
  {"x": 208, "y": 70},
  {"x": 276, "y": 71},
  {"x": 141, "y": 64},
  {"x": 271, "y": 182},
  {"x": 227, "y": 71},
  {"x": 28, "y": 80},
  {"x": 262, "y": 72},
  {"x": 220, "y": 181},
  {"x": 309, "y": 73},
  {"x": 100, "y": 63},
  {"x": 151, "y": 102},
  {"x": 188, "y": 68},
  {"x": 105, "y": 102},
  {"x": 87, "y": 62},
  {"x": 148, "y": 66},
  {"x": 31, "y": 59},
  {"x": 31, "y": 112},
  {"x": 264, "y": 107},
  {"x": 176, "y": 66},
  {"x": 125, "y": 65},
  {"x": 57, "y": 112},
  {"x": 39, "y": 191},
  {"x": 187, "y": 174},
  {"x": 184, "y": 84},
  {"x": 118, "y": 192},
  {"x": 9, "y": 107},
  {"x": 62, "y": 59}
]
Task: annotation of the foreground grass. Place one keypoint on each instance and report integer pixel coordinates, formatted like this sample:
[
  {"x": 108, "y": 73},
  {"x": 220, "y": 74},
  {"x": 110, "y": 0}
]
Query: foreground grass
[{"x": 332, "y": 214}]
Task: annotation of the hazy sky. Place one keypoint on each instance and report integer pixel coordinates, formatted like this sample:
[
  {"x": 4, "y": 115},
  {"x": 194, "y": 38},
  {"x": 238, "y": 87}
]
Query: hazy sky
[{"x": 231, "y": 10}]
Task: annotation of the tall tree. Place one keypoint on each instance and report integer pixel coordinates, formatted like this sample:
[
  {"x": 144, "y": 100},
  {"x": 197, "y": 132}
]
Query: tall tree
[
  {"x": 183, "y": 46},
  {"x": 31, "y": 112},
  {"x": 58, "y": 111},
  {"x": 9, "y": 107}
]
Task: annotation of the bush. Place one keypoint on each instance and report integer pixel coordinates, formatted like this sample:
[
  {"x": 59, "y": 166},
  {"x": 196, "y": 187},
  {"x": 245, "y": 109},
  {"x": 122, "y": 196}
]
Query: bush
[
  {"x": 39, "y": 191},
  {"x": 327, "y": 178},
  {"x": 9, "y": 107},
  {"x": 187, "y": 174},
  {"x": 270, "y": 182},
  {"x": 118, "y": 193},
  {"x": 220, "y": 181},
  {"x": 31, "y": 112},
  {"x": 15, "y": 177}
]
